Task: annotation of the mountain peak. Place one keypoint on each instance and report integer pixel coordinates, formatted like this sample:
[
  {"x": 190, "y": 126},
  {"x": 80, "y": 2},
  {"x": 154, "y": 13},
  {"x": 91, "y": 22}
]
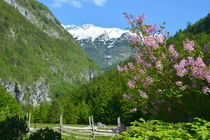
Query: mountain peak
[{"x": 93, "y": 32}]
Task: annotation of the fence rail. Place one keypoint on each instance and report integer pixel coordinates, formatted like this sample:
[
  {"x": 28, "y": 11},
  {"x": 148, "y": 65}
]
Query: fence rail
[{"x": 89, "y": 132}]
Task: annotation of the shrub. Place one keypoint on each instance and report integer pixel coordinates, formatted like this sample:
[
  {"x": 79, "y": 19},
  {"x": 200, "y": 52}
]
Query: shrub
[
  {"x": 162, "y": 77},
  {"x": 13, "y": 128},
  {"x": 45, "y": 134},
  {"x": 158, "y": 130}
]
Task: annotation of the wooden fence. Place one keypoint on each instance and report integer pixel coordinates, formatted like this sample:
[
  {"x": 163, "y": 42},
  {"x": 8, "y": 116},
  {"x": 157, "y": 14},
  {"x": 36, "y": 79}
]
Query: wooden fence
[{"x": 90, "y": 132}]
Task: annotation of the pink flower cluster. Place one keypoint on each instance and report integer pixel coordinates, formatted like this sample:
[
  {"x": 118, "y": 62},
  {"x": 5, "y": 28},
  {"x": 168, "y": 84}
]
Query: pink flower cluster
[
  {"x": 206, "y": 90},
  {"x": 196, "y": 67},
  {"x": 149, "y": 41},
  {"x": 132, "y": 19},
  {"x": 143, "y": 94},
  {"x": 131, "y": 66},
  {"x": 122, "y": 69},
  {"x": 142, "y": 71},
  {"x": 134, "y": 39},
  {"x": 188, "y": 46},
  {"x": 158, "y": 65},
  {"x": 140, "y": 18},
  {"x": 179, "y": 83},
  {"x": 180, "y": 68},
  {"x": 140, "y": 61},
  {"x": 131, "y": 84},
  {"x": 148, "y": 81},
  {"x": 160, "y": 38},
  {"x": 173, "y": 52},
  {"x": 149, "y": 29}
]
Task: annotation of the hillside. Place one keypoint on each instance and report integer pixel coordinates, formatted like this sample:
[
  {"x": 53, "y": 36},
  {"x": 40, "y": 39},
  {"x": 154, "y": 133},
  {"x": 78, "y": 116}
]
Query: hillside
[{"x": 37, "y": 55}]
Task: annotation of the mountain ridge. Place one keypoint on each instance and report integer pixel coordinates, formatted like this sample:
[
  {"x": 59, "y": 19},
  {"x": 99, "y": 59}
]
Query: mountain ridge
[{"x": 106, "y": 46}]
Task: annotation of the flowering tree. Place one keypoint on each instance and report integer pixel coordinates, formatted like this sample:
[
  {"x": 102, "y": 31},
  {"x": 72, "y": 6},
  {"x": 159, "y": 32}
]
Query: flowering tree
[{"x": 161, "y": 71}]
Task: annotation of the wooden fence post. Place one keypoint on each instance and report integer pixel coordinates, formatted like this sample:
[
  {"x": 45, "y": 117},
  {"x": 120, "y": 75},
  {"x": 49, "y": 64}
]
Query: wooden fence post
[
  {"x": 90, "y": 121},
  {"x": 118, "y": 122},
  {"x": 29, "y": 120},
  {"x": 92, "y": 125},
  {"x": 61, "y": 124}
]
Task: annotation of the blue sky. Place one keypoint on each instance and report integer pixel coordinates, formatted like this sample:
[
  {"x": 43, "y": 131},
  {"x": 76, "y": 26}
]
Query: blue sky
[{"x": 108, "y": 13}]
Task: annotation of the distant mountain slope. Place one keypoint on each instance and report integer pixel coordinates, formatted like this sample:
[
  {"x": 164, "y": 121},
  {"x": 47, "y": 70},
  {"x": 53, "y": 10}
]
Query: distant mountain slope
[
  {"x": 37, "y": 54},
  {"x": 106, "y": 46}
]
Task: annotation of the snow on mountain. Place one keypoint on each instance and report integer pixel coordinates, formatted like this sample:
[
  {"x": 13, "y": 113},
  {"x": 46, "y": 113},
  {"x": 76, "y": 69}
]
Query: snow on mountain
[
  {"x": 90, "y": 31},
  {"x": 106, "y": 46}
]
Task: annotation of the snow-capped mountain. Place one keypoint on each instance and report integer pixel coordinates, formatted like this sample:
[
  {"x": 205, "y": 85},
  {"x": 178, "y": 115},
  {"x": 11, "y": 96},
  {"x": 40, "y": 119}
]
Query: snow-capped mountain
[{"x": 106, "y": 46}]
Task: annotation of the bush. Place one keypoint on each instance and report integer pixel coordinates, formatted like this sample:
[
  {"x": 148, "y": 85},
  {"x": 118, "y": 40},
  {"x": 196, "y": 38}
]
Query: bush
[
  {"x": 198, "y": 129},
  {"x": 45, "y": 134},
  {"x": 13, "y": 128},
  {"x": 164, "y": 79}
]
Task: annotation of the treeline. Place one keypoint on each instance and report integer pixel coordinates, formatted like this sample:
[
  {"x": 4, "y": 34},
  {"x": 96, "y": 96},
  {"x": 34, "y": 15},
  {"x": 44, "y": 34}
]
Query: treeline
[{"x": 102, "y": 98}]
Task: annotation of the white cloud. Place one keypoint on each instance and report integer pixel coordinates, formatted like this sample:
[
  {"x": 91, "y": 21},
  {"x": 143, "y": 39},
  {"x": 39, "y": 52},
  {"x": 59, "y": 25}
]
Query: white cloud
[
  {"x": 77, "y": 3},
  {"x": 99, "y": 2}
]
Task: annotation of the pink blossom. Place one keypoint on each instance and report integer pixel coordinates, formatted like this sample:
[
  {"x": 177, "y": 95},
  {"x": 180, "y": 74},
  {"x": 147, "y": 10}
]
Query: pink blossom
[
  {"x": 188, "y": 45},
  {"x": 134, "y": 39},
  {"x": 152, "y": 57},
  {"x": 179, "y": 83},
  {"x": 142, "y": 71},
  {"x": 197, "y": 72},
  {"x": 183, "y": 63},
  {"x": 128, "y": 96},
  {"x": 184, "y": 87},
  {"x": 158, "y": 65},
  {"x": 150, "y": 29},
  {"x": 180, "y": 67},
  {"x": 138, "y": 56},
  {"x": 131, "y": 84},
  {"x": 122, "y": 69},
  {"x": 160, "y": 38},
  {"x": 199, "y": 62},
  {"x": 207, "y": 75},
  {"x": 174, "y": 53},
  {"x": 191, "y": 60},
  {"x": 147, "y": 65},
  {"x": 163, "y": 55},
  {"x": 206, "y": 90},
  {"x": 148, "y": 81},
  {"x": 140, "y": 18},
  {"x": 150, "y": 42},
  {"x": 139, "y": 60},
  {"x": 181, "y": 72},
  {"x": 131, "y": 66},
  {"x": 206, "y": 48},
  {"x": 143, "y": 94},
  {"x": 128, "y": 18}
]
